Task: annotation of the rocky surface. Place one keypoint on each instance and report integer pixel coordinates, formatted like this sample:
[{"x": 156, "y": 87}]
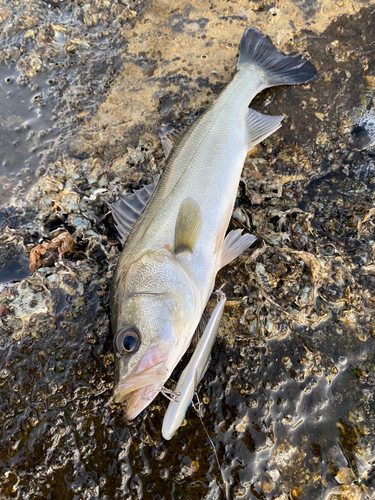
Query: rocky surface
[{"x": 288, "y": 400}]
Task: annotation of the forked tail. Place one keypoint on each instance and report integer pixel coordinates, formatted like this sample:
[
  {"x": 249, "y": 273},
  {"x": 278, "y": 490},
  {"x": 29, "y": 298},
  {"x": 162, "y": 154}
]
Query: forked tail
[{"x": 258, "y": 52}]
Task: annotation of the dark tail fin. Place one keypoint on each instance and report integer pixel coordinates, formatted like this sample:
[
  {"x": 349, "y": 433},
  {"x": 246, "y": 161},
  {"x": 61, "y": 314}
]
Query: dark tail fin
[{"x": 257, "y": 50}]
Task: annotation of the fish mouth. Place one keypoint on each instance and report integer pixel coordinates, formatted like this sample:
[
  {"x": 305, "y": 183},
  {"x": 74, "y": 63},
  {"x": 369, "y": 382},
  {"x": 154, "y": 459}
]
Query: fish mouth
[{"x": 139, "y": 389}]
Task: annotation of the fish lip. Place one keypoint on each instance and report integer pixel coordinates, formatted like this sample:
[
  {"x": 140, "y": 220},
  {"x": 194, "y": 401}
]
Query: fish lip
[{"x": 154, "y": 377}]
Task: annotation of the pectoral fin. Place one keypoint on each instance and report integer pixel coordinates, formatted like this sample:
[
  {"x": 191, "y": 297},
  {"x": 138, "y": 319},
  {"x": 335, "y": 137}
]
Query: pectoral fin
[
  {"x": 234, "y": 244},
  {"x": 259, "y": 127},
  {"x": 188, "y": 226}
]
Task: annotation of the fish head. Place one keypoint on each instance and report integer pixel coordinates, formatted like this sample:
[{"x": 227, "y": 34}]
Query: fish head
[{"x": 152, "y": 330}]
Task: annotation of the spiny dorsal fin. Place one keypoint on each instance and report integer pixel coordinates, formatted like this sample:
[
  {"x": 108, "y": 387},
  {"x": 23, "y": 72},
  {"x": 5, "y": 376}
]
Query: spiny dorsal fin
[
  {"x": 127, "y": 210},
  {"x": 234, "y": 244},
  {"x": 188, "y": 226},
  {"x": 167, "y": 134},
  {"x": 259, "y": 127}
]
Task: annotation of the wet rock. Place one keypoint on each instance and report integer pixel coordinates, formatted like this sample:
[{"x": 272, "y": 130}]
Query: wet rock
[{"x": 345, "y": 476}]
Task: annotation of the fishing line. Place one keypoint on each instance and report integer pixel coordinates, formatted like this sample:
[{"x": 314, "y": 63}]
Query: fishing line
[
  {"x": 167, "y": 393},
  {"x": 197, "y": 407},
  {"x": 171, "y": 395}
]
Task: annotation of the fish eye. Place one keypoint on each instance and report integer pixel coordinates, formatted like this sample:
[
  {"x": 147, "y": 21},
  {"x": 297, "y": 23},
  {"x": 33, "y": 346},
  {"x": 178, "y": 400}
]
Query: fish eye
[{"x": 127, "y": 340}]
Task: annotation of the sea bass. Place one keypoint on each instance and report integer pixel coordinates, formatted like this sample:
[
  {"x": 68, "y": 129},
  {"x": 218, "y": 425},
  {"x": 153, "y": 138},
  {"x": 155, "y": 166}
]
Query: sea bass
[{"x": 174, "y": 230}]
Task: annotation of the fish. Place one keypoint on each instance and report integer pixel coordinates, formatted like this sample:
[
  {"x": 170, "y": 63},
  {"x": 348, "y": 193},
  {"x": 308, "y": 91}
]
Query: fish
[
  {"x": 174, "y": 230},
  {"x": 193, "y": 372}
]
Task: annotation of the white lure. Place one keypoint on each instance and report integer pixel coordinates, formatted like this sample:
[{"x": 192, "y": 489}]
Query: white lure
[{"x": 193, "y": 372}]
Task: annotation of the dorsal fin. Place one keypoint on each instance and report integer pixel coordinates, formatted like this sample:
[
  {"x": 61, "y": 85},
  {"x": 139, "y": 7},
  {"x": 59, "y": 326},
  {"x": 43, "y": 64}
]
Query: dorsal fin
[
  {"x": 167, "y": 134},
  {"x": 127, "y": 210},
  {"x": 188, "y": 226}
]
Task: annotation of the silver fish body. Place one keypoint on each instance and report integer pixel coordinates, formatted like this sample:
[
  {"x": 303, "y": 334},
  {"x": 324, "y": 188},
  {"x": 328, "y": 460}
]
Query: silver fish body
[{"x": 167, "y": 269}]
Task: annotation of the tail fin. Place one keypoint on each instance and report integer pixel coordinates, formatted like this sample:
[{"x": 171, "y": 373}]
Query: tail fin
[{"x": 257, "y": 50}]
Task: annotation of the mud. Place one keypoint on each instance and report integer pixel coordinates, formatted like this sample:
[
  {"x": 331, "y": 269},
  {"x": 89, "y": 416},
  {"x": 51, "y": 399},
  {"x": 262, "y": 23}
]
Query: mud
[{"x": 288, "y": 400}]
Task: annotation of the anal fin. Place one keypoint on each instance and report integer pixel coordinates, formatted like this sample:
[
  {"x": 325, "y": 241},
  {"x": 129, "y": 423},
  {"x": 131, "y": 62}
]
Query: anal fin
[
  {"x": 234, "y": 244},
  {"x": 259, "y": 127},
  {"x": 188, "y": 226}
]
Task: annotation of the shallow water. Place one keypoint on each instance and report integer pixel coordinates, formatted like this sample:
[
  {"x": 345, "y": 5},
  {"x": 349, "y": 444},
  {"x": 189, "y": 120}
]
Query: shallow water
[
  {"x": 288, "y": 399},
  {"x": 16, "y": 269},
  {"x": 57, "y": 65},
  {"x": 28, "y": 128}
]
